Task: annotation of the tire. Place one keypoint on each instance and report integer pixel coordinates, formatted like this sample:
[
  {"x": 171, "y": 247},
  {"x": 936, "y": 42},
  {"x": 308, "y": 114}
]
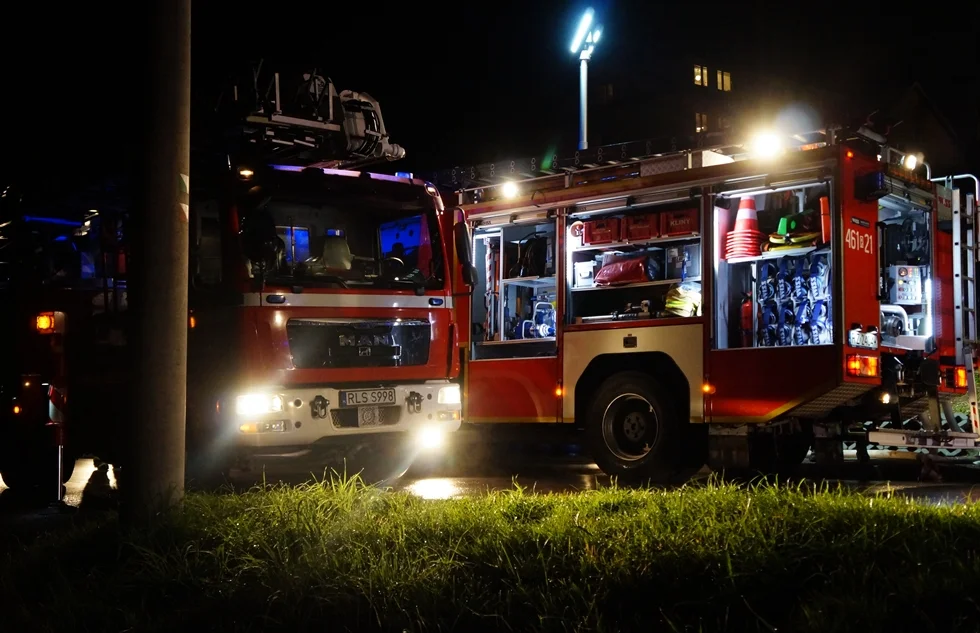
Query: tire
[
  {"x": 35, "y": 468},
  {"x": 632, "y": 429},
  {"x": 375, "y": 463},
  {"x": 782, "y": 453}
]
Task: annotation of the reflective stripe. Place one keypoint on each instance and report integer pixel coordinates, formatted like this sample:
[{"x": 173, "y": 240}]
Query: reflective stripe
[
  {"x": 338, "y": 300},
  {"x": 56, "y": 404}
]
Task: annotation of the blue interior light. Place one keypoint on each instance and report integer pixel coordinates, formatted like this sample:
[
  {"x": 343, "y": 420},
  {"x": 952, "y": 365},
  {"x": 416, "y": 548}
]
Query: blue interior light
[
  {"x": 335, "y": 232},
  {"x": 403, "y": 174},
  {"x": 36, "y": 218}
]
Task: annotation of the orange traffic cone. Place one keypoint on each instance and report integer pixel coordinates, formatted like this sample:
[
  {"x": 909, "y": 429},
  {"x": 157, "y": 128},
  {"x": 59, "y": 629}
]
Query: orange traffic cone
[{"x": 746, "y": 239}]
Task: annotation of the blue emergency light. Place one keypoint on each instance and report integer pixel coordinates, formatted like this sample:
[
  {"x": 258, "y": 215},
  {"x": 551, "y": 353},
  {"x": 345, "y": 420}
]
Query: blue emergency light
[
  {"x": 335, "y": 233},
  {"x": 403, "y": 174},
  {"x": 45, "y": 220}
]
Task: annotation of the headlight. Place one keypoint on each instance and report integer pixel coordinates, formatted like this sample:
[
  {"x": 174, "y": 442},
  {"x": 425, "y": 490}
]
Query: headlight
[
  {"x": 449, "y": 395},
  {"x": 257, "y": 404}
]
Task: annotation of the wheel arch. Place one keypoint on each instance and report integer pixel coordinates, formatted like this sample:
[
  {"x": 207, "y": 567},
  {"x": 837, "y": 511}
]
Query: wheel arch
[{"x": 658, "y": 365}]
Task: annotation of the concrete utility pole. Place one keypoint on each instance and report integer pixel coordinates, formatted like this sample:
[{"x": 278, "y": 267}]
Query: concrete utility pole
[{"x": 153, "y": 474}]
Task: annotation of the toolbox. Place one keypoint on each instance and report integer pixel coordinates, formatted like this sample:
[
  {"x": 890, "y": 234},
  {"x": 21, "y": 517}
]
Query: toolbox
[
  {"x": 641, "y": 227},
  {"x": 683, "y": 262},
  {"x": 675, "y": 223},
  {"x": 604, "y": 231}
]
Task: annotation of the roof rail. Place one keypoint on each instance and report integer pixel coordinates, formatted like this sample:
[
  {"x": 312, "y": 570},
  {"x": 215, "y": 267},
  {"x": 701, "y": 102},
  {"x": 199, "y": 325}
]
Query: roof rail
[{"x": 609, "y": 162}]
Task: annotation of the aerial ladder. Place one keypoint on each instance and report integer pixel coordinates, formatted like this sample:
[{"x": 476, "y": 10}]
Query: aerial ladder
[{"x": 303, "y": 121}]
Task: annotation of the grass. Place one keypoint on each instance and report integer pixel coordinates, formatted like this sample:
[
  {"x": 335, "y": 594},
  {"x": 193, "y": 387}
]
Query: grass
[{"x": 340, "y": 556}]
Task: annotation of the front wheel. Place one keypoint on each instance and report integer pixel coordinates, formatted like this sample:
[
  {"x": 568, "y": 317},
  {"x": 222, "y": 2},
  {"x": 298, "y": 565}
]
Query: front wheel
[
  {"x": 632, "y": 430},
  {"x": 35, "y": 468}
]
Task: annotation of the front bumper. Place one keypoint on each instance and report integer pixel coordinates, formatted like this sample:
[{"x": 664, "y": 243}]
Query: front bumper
[{"x": 311, "y": 415}]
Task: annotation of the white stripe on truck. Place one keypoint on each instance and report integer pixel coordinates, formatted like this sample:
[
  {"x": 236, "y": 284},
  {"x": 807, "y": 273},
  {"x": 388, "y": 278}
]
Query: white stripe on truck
[{"x": 332, "y": 300}]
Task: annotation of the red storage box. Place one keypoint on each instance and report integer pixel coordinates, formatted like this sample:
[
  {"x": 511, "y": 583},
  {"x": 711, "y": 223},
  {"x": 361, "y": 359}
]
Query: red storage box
[
  {"x": 641, "y": 227},
  {"x": 602, "y": 231},
  {"x": 673, "y": 223}
]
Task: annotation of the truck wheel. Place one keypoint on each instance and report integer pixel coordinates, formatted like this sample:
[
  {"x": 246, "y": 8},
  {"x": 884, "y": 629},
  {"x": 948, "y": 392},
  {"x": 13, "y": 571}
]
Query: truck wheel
[
  {"x": 631, "y": 429},
  {"x": 780, "y": 453},
  {"x": 35, "y": 468},
  {"x": 375, "y": 463}
]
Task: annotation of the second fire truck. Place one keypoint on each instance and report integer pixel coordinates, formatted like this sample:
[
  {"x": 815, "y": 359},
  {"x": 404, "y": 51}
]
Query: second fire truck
[
  {"x": 321, "y": 322},
  {"x": 755, "y": 300}
]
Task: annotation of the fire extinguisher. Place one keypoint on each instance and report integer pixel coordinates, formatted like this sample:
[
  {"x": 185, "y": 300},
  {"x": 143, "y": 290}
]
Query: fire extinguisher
[{"x": 746, "y": 314}]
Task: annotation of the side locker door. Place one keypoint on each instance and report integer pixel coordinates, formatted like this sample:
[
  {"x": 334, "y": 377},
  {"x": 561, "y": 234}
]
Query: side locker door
[
  {"x": 862, "y": 279},
  {"x": 509, "y": 377}
]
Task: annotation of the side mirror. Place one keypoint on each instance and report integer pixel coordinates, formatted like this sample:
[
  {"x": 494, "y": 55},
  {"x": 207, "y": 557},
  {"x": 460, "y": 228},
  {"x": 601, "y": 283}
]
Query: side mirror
[{"x": 464, "y": 251}]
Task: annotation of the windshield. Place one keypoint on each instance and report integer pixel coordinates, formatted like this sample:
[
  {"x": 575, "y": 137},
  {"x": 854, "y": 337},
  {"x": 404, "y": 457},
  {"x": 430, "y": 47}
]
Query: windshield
[{"x": 330, "y": 240}]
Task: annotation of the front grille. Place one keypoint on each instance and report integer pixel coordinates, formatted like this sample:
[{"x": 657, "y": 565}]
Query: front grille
[
  {"x": 347, "y": 418},
  {"x": 347, "y": 343}
]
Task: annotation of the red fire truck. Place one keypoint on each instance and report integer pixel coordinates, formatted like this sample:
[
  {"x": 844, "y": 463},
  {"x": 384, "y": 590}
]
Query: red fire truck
[
  {"x": 757, "y": 300},
  {"x": 321, "y": 321}
]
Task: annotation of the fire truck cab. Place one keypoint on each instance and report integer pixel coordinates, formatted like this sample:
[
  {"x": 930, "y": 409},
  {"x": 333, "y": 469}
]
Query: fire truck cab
[{"x": 769, "y": 298}]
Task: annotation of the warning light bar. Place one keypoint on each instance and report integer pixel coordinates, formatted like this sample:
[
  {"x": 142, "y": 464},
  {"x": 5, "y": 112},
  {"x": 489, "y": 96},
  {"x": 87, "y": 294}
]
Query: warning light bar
[{"x": 336, "y": 233}]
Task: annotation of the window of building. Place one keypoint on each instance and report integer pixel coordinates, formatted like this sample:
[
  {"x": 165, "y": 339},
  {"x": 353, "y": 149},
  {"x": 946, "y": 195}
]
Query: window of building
[
  {"x": 724, "y": 81},
  {"x": 700, "y": 75},
  {"x": 700, "y": 122}
]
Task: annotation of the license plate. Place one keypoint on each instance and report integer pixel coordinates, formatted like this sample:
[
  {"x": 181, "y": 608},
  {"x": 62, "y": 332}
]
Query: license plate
[
  {"x": 367, "y": 397},
  {"x": 368, "y": 416}
]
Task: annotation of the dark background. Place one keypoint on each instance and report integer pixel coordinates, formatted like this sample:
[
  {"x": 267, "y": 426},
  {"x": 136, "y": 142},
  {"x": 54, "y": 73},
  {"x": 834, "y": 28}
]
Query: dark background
[{"x": 465, "y": 81}]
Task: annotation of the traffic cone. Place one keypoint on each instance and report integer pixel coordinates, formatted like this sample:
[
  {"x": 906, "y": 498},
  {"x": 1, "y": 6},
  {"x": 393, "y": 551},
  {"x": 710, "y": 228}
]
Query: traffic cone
[
  {"x": 747, "y": 218},
  {"x": 746, "y": 239}
]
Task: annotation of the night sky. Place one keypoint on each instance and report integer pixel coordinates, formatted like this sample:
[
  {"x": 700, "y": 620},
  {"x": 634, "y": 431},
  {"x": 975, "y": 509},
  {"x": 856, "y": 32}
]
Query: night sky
[{"x": 457, "y": 82}]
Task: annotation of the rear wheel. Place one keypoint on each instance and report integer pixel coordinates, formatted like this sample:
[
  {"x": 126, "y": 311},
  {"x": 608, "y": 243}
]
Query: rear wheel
[
  {"x": 781, "y": 452},
  {"x": 632, "y": 430}
]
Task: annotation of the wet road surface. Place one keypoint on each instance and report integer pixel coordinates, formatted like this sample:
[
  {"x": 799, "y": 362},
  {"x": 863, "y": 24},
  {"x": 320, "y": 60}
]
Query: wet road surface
[{"x": 948, "y": 482}]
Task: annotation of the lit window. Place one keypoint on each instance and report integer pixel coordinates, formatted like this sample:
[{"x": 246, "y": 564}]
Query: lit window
[
  {"x": 724, "y": 81},
  {"x": 701, "y": 75},
  {"x": 700, "y": 122}
]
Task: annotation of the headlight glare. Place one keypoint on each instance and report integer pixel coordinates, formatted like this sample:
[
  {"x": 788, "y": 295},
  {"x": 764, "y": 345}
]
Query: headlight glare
[{"x": 257, "y": 404}]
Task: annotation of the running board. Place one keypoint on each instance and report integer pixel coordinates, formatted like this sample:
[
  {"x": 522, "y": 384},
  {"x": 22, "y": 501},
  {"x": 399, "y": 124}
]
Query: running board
[{"x": 923, "y": 439}]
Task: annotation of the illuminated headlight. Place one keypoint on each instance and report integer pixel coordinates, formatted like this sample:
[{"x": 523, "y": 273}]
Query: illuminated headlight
[
  {"x": 257, "y": 404},
  {"x": 449, "y": 395}
]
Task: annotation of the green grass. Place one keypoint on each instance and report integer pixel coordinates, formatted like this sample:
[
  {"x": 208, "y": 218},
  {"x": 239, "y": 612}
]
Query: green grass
[{"x": 340, "y": 556}]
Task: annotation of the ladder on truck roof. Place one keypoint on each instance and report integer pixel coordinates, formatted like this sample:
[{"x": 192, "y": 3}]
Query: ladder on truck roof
[
  {"x": 615, "y": 156},
  {"x": 304, "y": 121}
]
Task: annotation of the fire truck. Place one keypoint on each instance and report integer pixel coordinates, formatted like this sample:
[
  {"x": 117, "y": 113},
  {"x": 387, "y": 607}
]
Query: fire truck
[
  {"x": 742, "y": 302},
  {"x": 321, "y": 311}
]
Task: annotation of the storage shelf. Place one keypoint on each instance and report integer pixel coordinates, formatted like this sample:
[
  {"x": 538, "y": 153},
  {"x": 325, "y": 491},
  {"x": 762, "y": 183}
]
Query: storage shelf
[
  {"x": 531, "y": 282},
  {"x": 642, "y": 284},
  {"x": 789, "y": 252},
  {"x": 649, "y": 242},
  {"x": 514, "y": 341}
]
